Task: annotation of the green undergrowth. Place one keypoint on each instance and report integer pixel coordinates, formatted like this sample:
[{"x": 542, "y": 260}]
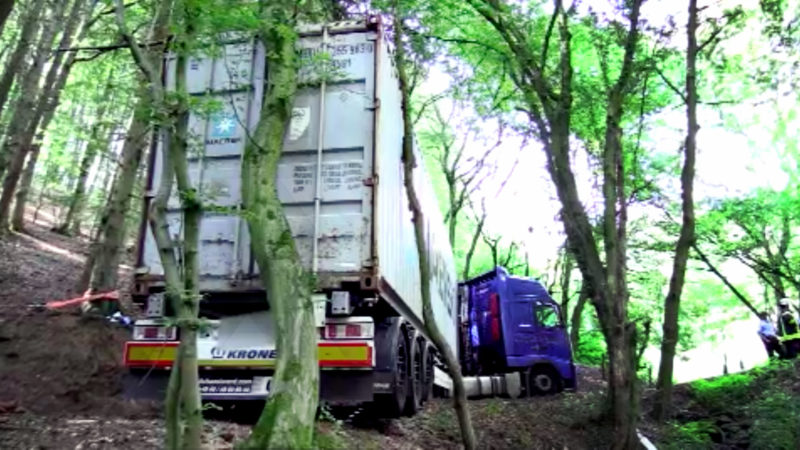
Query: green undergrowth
[{"x": 757, "y": 409}]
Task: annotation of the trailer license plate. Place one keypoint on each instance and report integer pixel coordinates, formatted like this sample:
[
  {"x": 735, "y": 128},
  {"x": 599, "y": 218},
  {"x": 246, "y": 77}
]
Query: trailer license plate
[{"x": 239, "y": 387}]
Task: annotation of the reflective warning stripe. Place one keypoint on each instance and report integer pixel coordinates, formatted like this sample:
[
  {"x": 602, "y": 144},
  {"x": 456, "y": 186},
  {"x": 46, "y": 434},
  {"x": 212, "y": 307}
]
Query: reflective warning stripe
[
  {"x": 149, "y": 354},
  {"x": 330, "y": 355},
  {"x": 346, "y": 354},
  {"x": 789, "y": 337}
]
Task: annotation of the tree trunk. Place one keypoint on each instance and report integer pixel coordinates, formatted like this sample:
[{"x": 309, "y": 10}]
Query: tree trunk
[
  {"x": 5, "y": 9},
  {"x": 15, "y": 64},
  {"x": 577, "y": 315},
  {"x": 409, "y": 164},
  {"x": 549, "y": 108},
  {"x": 288, "y": 417},
  {"x": 18, "y": 217},
  {"x": 472, "y": 245},
  {"x": 19, "y": 134},
  {"x": 189, "y": 310},
  {"x": 566, "y": 278},
  {"x": 663, "y": 402},
  {"x": 71, "y": 224},
  {"x": 112, "y": 229},
  {"x": 173, "y": 293}
]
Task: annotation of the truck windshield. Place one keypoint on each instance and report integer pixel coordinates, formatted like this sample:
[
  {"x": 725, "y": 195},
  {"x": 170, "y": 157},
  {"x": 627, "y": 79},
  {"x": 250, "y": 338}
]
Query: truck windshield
[{"x": 547, "y": 316}]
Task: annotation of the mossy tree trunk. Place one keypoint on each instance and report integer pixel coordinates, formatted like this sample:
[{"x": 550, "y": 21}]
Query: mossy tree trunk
[
  {"x": 409, "y": 164},
  {"x": 288, "y": 417},
  {"x": 184, "y": 418}
]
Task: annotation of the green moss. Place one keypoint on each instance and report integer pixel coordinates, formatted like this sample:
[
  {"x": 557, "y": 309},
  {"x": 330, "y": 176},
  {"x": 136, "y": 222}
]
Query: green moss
[{"x": 292, "y": 370}]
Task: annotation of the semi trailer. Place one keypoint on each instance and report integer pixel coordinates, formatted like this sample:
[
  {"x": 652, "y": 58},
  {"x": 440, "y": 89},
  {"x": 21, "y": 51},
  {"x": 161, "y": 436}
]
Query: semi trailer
[{"x": 340, "y": 181}]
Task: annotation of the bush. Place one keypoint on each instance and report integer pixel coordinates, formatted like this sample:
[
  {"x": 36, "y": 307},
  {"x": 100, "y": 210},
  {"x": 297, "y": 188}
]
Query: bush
[
  {"x": 591, "y": 349},
  {"x": 719, "y": 394}
]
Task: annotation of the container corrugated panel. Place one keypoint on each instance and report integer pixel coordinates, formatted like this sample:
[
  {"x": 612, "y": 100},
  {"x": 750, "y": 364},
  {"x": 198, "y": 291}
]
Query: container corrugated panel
[
  {"x": 397, "y": 251},
  {"x": 233, "y": 78}
]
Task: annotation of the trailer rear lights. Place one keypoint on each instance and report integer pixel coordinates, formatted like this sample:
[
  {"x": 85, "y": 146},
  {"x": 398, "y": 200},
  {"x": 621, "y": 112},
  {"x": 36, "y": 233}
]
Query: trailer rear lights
[
  {"x": 154, "y": 333},
  {"x": 494, "y": 304},
  {"x": 362, "y": 330},
  {"x": 495, "y": 328}
]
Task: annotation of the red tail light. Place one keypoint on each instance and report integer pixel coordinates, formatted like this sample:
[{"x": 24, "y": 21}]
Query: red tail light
[
  {"x": 495, "y": 328},
  {"x": 494, "y": 304},
  {"x": 352, "y": 330},
  {"x": 150, "y": 332}
]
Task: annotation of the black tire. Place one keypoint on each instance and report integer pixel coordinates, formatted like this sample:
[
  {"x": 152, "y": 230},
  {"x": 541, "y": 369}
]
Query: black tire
[
  {"x": 543, "y": 380},
  {"x": 427, "y": 365},
  {"x": 392, "y": 405},
  {"x": 415, "y": 377}
]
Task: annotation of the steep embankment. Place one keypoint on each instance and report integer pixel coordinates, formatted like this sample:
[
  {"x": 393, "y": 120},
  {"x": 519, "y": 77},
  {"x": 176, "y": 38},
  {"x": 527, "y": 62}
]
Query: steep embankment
[{"x": 757, "y": 409}]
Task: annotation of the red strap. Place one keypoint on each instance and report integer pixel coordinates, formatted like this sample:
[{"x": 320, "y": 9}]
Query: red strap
[{"x": 113, "y": 295}]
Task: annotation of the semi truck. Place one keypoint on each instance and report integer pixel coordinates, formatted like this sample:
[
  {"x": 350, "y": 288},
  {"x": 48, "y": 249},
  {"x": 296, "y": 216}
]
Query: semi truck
[{"x": 340, "y": 181}]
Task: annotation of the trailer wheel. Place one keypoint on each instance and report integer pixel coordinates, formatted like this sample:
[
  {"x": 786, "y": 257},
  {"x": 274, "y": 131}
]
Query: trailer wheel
[
  {"x": 392, "y": 405},
  {"x": 416, "y": 373},
  {"x": 543, "y": 380},
  {"x": 428, "y": 365}
]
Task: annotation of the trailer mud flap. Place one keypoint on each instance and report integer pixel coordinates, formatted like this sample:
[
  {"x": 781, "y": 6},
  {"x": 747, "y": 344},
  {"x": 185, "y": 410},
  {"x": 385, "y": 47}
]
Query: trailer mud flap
[{"x": 345, "y": 387}]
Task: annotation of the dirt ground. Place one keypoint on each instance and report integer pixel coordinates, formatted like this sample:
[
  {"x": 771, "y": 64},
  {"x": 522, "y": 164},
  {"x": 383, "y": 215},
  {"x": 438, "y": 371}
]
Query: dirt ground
[{"x": 61, "y": 379}]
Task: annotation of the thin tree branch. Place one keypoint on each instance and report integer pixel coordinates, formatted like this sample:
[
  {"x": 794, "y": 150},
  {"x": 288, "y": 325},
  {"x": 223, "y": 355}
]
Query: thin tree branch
[
  {"x": 136, "y": 51},
  {"x": 549, "y": 32},
  {"x": 674, "y": 88}
]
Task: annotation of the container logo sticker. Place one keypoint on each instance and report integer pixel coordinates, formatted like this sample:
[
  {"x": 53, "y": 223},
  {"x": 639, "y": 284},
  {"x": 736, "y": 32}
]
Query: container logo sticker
[{"x": 223, "y": 125}]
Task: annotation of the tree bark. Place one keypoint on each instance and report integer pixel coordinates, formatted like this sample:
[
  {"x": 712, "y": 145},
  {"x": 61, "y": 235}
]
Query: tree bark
[
  {"x": 566, "y": 278},
  {"x": 5, "y": 9},
  {"x": 577, "y": 316},
  {"x": 663, "y": 401},
  {"x": 409, "y": 164},
  {"x": 15, "y": 63},
  {"x": 19, "y": 136},
  {"x": 288, "y": 417},
  {"x": 18, "y": 216},
  {"x": 189, "y": 310},
  {"x": 71, "y": 224}
]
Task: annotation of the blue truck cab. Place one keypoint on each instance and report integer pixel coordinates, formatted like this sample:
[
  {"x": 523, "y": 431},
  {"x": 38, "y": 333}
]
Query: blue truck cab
[{"x": 511, "y": 324}]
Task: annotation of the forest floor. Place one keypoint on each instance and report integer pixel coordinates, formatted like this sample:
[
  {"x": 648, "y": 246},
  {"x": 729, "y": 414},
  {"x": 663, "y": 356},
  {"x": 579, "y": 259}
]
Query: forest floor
[{"x": 61, "y": 380}]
